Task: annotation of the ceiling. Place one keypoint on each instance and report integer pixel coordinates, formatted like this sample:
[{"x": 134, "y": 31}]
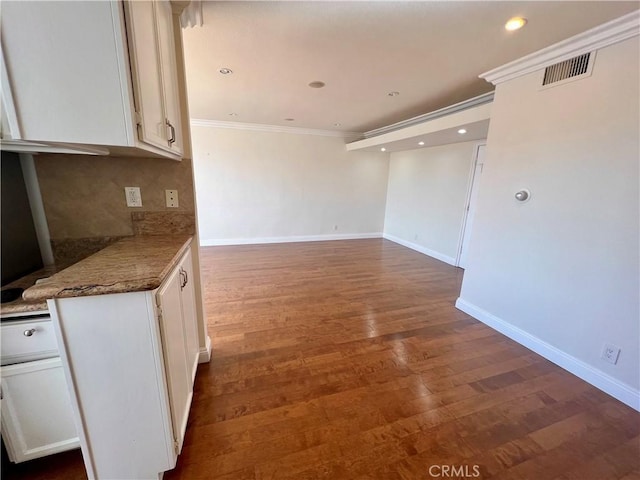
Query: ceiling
[{"x": 429, "y": 52}]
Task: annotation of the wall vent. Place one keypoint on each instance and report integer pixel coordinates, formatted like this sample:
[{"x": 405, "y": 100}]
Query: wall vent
[{"x": 573, "y": 69}]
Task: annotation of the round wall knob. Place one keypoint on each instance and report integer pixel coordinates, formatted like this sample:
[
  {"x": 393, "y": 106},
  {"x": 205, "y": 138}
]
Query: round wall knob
[
  {"x": 28, "y": 333},
  {"x": 522, "y": 195}
]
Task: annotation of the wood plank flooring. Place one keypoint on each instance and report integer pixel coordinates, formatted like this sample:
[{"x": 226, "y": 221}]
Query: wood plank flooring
[{"x": 348, "y": 360}]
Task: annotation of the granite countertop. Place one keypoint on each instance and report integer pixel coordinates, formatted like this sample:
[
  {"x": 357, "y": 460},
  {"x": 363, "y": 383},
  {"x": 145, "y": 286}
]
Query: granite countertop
[
  {"x": 130, "y": 265},
  {"x": 19, "y": 305}
]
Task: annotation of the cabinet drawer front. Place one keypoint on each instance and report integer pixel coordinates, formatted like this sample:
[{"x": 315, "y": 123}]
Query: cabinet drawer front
[{"x": 24, "y": 341}]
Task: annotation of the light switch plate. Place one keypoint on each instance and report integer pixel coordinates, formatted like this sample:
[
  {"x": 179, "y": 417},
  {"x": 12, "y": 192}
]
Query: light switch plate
[
  {"x": 172, "y": 198},
  {"x": 132, "y": 194}
]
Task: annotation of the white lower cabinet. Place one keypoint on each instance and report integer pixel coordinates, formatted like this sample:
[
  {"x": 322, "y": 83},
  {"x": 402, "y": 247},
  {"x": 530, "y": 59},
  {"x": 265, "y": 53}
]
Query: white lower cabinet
[
  {"x": 188, "y": 301},
  {"x": 37, "y": 419},
  {"x": 174, "y": 344},
  {"x": 176, "y": 300},
  {"x": 128, "y": 364}
]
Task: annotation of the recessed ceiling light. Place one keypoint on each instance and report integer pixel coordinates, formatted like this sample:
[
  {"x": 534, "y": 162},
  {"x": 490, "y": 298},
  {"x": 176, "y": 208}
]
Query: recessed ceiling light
[
  {"x": 289, "y": 119},
  {"x": 225, "y": 71},
  {"x": 462, "y": 131},
  {"x": 393, "y": 94},
  {"x": 317, "y": 84},
  {"x": 420, "y": 143},
  {"x": 515, "y": 23},
  {"x": 383, "y": 149}
]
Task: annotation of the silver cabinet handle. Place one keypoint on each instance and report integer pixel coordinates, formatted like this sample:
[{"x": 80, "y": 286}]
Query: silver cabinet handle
[
  {"x": 183, "y": 281},
  {"x": 173, "y": 132},
  {"x": 28, "y": 333}
]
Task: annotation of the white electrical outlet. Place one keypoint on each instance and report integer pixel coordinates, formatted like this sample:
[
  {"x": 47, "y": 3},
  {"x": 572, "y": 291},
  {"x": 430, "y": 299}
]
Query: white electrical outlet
[
  {"x": 172, "y": 198},
  {"x": 610, "y": 353},
  {"x": 132, "y": 194}
]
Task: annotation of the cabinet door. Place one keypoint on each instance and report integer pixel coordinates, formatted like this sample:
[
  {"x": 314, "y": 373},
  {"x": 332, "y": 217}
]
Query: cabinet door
[
  {"x": 169, "y": 75},
  {"x": 67, "y": 72},
  {"x": 9, "y": 127},
  {"x": 144, "y": 51},
  {"x": 189, "y": 315},
  {"x": 174, "y": 350},
  {"x": 153, "y": 66},
  {"x": 37, "y": 418}
]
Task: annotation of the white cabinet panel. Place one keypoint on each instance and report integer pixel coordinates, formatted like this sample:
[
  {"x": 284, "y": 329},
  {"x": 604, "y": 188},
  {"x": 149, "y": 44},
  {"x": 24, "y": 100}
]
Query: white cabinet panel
[
  {"x": 151, "y": 46},
  {"x": 37, "y": 419},
  {"x": 189, "y": 315},
  {"x": 169, "y": 75},
  {"x": 147, "y": 79},
  {"x": 175, "y": 357},
  {"x": 65, "y": 63},
  {"x": 113, "y": 361},
  {"x": 9, "y": 126}
]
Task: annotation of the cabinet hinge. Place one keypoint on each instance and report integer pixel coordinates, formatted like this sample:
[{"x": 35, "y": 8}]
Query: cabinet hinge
[
  {"x": 159, "y": 312},
  {"x": 175, "y": 446},
  {"x": 138, "y": 118}
]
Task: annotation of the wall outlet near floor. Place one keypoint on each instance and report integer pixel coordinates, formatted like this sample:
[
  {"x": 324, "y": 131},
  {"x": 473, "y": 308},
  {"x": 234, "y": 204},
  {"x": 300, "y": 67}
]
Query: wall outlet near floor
[
  {"x": 610, "y": 353},
  {"x": 172, "y": 198},
  {"x": 132, "y": 194}
]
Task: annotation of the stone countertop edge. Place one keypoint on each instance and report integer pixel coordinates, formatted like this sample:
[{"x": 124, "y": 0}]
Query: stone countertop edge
[
  {"x": 21, "y": 307},
  {"x": 132, "y": 264},
  {"x": 18, "y": 307}
]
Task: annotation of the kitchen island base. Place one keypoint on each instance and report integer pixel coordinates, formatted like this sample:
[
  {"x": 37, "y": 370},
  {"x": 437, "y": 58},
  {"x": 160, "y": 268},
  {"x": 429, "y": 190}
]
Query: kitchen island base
[{"x": 129, "y": 360}]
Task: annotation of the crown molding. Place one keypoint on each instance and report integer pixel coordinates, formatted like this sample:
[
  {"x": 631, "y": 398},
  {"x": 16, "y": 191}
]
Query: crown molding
[
  {"x": 258, "y": 127},
  {"x": 601, "y": 36},
  {"x": 443, "y": 112},
  {"x": 468, "y": 117}
]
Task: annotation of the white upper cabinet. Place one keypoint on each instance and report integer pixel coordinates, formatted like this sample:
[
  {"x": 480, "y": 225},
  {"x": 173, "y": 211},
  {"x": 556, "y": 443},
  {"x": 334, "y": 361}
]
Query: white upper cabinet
[
  {"x": 91, "y": 74},
  {"x": 155, "y": 82}
]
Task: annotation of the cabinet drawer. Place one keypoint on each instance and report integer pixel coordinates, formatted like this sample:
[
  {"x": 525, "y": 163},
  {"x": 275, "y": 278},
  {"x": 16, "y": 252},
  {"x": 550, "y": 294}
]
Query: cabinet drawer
[{"x": 27, "y": 340}]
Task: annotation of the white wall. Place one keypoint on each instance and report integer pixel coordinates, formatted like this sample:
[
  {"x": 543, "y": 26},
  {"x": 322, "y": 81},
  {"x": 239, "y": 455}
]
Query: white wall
[
  {"x": 426, "y": 198},
  {"x": 560, "y": 273},
  {"x": 255, "y": 186}
]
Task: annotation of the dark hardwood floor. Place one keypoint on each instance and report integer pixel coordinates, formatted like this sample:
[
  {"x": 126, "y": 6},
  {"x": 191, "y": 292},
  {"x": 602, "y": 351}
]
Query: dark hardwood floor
[{"x": 348, "y": 360}]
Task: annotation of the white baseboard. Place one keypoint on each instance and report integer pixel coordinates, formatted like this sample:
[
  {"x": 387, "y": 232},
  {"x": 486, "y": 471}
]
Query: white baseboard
[
  {"x": 294, "y": 238},
  {"x": 617, "y": 389},
  {"x": 421, "y": 249},
  {"x": 205, "y": 352}
]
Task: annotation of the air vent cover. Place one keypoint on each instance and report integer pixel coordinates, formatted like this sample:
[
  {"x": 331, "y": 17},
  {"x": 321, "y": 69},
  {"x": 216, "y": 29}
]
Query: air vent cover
[{"x": 572, "y": 69}]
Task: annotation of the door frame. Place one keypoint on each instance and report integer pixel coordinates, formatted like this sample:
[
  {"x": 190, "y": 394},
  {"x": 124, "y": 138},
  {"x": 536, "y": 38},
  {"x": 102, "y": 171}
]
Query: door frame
[{"x": 467, "y": 201}]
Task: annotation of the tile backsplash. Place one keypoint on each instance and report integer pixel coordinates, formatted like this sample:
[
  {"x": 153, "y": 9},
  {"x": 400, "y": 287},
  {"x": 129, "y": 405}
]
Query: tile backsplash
[
  {"x": 83, "y": 195},
  {"x": 68, "y": 251},
  {"x": 85, "y": 204},
  {"x": 163, "y": 223}
]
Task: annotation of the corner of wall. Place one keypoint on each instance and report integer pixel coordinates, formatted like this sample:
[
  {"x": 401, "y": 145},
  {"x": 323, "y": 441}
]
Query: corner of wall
[{"x": 617, "y": 389}]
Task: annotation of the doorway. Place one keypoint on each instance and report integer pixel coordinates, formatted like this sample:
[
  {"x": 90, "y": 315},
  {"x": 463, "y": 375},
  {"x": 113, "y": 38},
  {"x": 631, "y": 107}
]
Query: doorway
[{"x": 470, "y": 210}]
